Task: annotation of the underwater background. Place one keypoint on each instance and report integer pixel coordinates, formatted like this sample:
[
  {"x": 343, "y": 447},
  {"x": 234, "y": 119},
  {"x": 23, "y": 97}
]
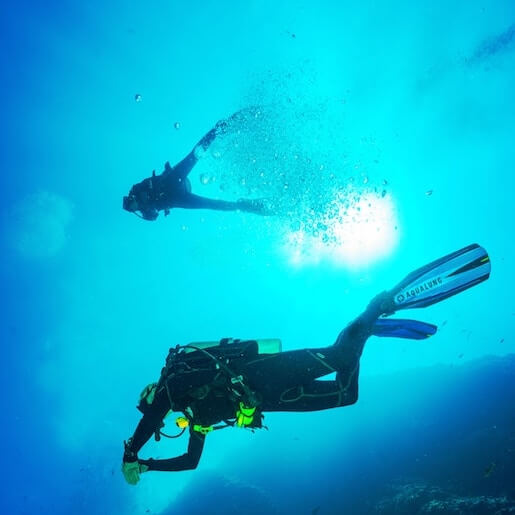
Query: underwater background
[{"x": 386, "y": 128}]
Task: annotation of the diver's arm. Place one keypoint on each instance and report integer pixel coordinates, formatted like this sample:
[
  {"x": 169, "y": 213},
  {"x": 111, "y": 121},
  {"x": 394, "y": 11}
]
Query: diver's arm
[
  {"x": 187, "y": 461},
  {"x": 184, "y": 167},
  {"x": 145, "y": 429},
  {"x": 147, "y": 426}
]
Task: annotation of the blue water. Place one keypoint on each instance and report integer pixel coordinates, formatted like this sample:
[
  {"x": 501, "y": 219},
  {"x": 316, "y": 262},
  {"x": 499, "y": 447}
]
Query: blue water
[{"x": 401, "y": 114}]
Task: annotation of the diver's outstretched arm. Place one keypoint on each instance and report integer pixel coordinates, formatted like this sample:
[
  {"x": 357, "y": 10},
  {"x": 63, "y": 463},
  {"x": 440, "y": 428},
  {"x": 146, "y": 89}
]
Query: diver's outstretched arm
[
  {"x": 149, "y": 423},
  {"x": 184, "y": 167},
  {"x": 187, "y": 461}
]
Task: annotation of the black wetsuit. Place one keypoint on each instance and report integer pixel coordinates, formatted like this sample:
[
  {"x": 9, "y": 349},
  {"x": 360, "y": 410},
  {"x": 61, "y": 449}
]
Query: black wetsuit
[
  {"x": 172, "y": 188},
  {"x": 286, "y": 381}
]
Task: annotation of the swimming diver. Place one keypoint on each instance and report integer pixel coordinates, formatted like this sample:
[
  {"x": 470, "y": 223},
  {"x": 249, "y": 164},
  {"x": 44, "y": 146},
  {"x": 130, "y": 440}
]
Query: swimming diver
[
  {"x": 232, "y": 383},
  {"x": 172, "y": 189}
]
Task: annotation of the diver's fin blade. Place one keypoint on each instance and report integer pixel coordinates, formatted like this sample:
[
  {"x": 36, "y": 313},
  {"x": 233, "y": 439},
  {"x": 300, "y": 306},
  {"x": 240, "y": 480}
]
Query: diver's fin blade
[
  {"x": 403, "y": 328},
  {"x": 443, "y": 278}
]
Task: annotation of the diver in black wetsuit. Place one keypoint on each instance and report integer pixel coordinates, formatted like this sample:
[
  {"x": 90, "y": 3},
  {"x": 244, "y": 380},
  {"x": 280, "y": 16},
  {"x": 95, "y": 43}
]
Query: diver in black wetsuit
[
  {"x": 249, "y": 385},
  {"x": 172, "y": 188},
  {"x": 237, "y": 382}
]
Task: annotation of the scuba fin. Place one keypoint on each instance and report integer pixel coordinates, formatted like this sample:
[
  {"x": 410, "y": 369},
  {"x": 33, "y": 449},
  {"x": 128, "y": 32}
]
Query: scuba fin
[
  {"x": 442, "y": 278},
  {"x": 403, "y": 328}
]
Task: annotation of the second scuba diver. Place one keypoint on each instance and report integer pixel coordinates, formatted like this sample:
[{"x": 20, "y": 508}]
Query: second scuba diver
[
  {"x": 172, "y": 188},
  {"x": 232, "y": 383}
]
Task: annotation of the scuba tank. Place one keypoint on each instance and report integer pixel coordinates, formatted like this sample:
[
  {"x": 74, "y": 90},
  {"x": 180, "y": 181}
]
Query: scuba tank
[
  {"x": 264, "y": 345},
  {"x": 215, "y": 355}
]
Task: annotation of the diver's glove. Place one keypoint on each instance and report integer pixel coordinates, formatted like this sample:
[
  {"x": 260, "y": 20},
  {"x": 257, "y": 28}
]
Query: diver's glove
[
  {"x": 131, "y": 468},
  {"x": 222, "y": 126},
  {"x": 131, "y": 471}
]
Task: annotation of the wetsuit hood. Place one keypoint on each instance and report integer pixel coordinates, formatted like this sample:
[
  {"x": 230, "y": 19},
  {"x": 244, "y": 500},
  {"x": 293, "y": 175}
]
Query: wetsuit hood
[
  {"x": 130, "y": 203},
  {"x": 141, "y": 198}
]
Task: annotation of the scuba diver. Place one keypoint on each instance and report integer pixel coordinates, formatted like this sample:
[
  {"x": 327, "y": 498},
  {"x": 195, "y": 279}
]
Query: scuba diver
[
  {"x": 172, "y": 188},
  {"x": 232, "y": 383}
]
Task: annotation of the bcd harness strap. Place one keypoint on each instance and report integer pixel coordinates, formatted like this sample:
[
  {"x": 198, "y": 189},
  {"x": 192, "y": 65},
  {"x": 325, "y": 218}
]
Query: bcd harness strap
[{"x": 247, "y": 402}]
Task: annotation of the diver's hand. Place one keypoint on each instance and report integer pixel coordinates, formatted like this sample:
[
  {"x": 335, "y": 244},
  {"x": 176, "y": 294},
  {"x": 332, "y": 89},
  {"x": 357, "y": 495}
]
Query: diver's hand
[
  {"x": 131, "y": 471},
  {"x": 222, "y": 126}
]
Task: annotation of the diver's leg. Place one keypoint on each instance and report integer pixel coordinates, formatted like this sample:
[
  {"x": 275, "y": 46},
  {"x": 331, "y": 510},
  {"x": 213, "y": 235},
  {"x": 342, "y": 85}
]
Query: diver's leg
[
  {"x": 191, "y": 201},
  {"x": 277, "y": 373},
  {"x": 272, "y": 374},
  {"x": 257, "y": 206},
  {"x": 315, "y": 396},
  {"x": 351, "y": 341}
]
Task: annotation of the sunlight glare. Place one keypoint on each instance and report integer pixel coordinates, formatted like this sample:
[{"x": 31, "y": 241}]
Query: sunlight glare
[{"x": 357, "y": 232}]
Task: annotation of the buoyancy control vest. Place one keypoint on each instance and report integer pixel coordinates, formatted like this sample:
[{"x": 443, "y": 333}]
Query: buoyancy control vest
[{"x": 192, "y": 371}]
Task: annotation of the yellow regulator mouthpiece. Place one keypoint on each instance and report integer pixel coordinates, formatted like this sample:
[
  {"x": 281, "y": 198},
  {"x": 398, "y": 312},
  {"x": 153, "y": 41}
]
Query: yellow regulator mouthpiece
[{"x": 182, "y": 422}]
